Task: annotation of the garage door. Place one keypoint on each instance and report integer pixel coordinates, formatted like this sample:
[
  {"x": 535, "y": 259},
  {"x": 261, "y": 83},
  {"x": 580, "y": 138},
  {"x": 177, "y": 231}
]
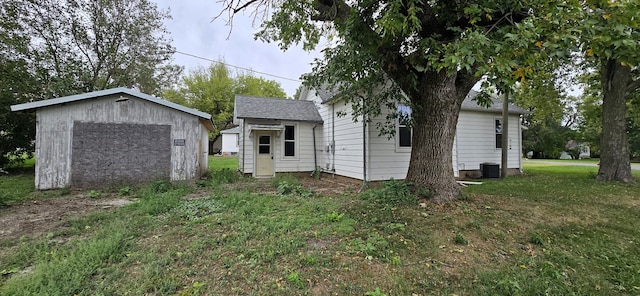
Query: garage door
[{"x": 112, "y": 154}]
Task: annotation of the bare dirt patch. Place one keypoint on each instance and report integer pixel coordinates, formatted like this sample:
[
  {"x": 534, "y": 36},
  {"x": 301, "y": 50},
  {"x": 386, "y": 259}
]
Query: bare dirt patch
[{"x": 36, "y": 217}]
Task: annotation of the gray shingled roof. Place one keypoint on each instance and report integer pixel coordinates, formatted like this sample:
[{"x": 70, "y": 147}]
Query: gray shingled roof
[
  {"x": 277, "y": 109},
  {"x": 326, "y": 94},
  {"x": 233, "y": 130},
  {"x": 108, "y": 92},
  {"x": 470, "y": 105}
]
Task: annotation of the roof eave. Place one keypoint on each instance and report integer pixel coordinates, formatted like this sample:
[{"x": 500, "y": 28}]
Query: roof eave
[
  {"x": 103, "y": 93},
  {"x": 281, "y": 119}
]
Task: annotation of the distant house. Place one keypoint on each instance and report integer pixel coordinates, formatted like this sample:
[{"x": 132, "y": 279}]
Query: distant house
[
  {"x": 116, "y": 136},
  {"x": 301, "y": 135},
  {"x": 230, "y": 141}
]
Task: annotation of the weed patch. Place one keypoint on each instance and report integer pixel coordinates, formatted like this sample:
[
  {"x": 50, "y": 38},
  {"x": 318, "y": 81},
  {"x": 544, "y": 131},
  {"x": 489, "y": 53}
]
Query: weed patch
[
  {"x": 393, "y": 193},
  {"x": 553, "y": 232}
]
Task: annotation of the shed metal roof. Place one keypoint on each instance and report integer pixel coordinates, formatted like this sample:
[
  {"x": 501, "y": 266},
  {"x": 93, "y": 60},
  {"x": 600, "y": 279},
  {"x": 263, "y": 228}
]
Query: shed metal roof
[
  {"x": 108, "y": 92},
  {"x": 276, "y": 109}
]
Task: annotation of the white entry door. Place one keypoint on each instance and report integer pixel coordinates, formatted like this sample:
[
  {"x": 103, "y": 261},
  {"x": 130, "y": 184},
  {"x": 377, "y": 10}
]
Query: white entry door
[{"x": 264, "y": 154}]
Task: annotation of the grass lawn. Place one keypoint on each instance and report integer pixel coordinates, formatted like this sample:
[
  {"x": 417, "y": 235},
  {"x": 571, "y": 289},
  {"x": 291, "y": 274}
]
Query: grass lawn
[
  {"x": 586, "y": 160},
  {"x": 223, "y": 162},
  {"x": 553, "y": 231}
]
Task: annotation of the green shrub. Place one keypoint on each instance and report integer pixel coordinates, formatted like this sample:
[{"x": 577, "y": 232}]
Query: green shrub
[
  {"x": 286, "y": 188},
  {"x": 223, "y": 176},
  {"x": 160, "y": 186},
  {"x": 279, "y": 178},
  {"x": 460, "y": 240}
]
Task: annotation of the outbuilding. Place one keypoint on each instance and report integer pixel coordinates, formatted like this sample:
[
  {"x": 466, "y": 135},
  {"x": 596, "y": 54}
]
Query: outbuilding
[
  {"x": 114, "y": 137},
  {"x": 230, "y": 141}
]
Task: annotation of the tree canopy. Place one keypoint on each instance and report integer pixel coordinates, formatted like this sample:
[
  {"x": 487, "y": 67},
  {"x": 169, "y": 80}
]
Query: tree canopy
[
  {"x": 54, "y": 48},
  {"x": 425, "y": 54},
  {"x": 213, "y": 89},
  {"x": 610, "y": 38}
]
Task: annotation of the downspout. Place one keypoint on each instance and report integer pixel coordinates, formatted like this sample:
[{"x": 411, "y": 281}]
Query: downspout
[
  {"x": 333, "y": 138},
  {"x": 315, "y": 152}
]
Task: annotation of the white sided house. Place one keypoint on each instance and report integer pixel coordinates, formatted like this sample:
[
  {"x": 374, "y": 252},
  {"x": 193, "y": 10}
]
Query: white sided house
[
  {"x": 354, "y": 149},
  {"x": 116, "y": 136},
  {"x": 277, "y": 135},
  {"x": 318, "y": 138},
  {"x": 230, "y": 141}
]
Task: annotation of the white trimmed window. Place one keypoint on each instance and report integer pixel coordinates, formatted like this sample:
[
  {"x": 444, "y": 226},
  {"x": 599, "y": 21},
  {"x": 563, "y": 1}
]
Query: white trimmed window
[
  {"x": 289, "y": 140},
  {"x": 404, "y": 133},
  {"x": 498, "y": 126}
]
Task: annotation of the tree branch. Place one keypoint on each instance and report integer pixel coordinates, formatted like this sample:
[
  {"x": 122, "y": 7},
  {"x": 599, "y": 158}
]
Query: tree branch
[{"x": 633, "y": 86}]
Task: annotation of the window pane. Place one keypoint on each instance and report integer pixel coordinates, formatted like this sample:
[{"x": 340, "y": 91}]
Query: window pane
[
  {"x": 289, "y": 149},
  {"x": 404, "y": 114},
  {"x": 498, "y": 126},
  {"x": 289, "y": 132},
  {"x": 264, "y": 149},
  {"x": 499, "y": 141},
  {"x": 405, "y": 136},
  {"x": 264, "y": 140}
]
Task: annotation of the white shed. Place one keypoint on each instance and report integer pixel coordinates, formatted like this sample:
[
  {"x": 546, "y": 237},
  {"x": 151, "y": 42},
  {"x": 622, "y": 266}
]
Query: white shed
[
  {"x": 230, "y": 141},
  {"x": 117, "y": 136}
]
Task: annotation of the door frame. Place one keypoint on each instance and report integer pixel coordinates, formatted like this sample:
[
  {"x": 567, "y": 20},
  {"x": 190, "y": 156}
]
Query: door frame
[{"x": 256, "y": 152}]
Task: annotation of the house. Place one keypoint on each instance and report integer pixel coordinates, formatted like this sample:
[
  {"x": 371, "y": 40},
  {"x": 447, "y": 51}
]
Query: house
[
  {"x": 277, "y": 135},
  {"x": 230, "y": 141},
  {"x": 353, "y": 149},
  {"x": 117, "y": 136}
]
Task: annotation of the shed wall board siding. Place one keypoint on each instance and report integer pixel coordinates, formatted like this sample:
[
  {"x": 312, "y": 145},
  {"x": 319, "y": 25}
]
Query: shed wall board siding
[
  {"x": 53, "y": 150},
  {"x": 476, "y": 140},
  {"x": 54, "y": 134},
  {"x": 204, "y": 150}
]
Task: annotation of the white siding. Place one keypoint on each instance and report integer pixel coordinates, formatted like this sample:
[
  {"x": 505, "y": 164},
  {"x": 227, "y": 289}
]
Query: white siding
[
  {"x": 474, "y": 143},
  {"x": 325, "y": 144},
  {"x": 385, "y": 160},
  {"x": 245, "y": 151},
  {"x": 476, "y": 140},
  {"x": 303, "y": 161},
  {"x": 348, "y": 143},
  {"x": 55, "y": 124}
]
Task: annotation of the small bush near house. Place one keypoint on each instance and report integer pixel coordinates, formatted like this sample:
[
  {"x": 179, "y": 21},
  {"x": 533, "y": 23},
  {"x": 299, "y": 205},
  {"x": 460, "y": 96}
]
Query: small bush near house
[{"x": 223, "y": 176}]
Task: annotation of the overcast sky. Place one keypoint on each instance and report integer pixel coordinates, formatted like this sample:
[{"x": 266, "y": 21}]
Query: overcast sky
[{"x": 194, "y": 32}]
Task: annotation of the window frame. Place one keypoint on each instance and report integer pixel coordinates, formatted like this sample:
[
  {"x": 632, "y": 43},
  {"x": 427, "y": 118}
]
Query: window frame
[
  {"x": 497, "y": 136},
  {"x": 295, "y": 140},
  {"x": 400, "y": 125}
]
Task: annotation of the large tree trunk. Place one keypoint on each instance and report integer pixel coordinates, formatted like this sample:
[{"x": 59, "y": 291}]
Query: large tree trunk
[
  {"x": 437, "y": 106},
  {"x": 614, "y": 144}
]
